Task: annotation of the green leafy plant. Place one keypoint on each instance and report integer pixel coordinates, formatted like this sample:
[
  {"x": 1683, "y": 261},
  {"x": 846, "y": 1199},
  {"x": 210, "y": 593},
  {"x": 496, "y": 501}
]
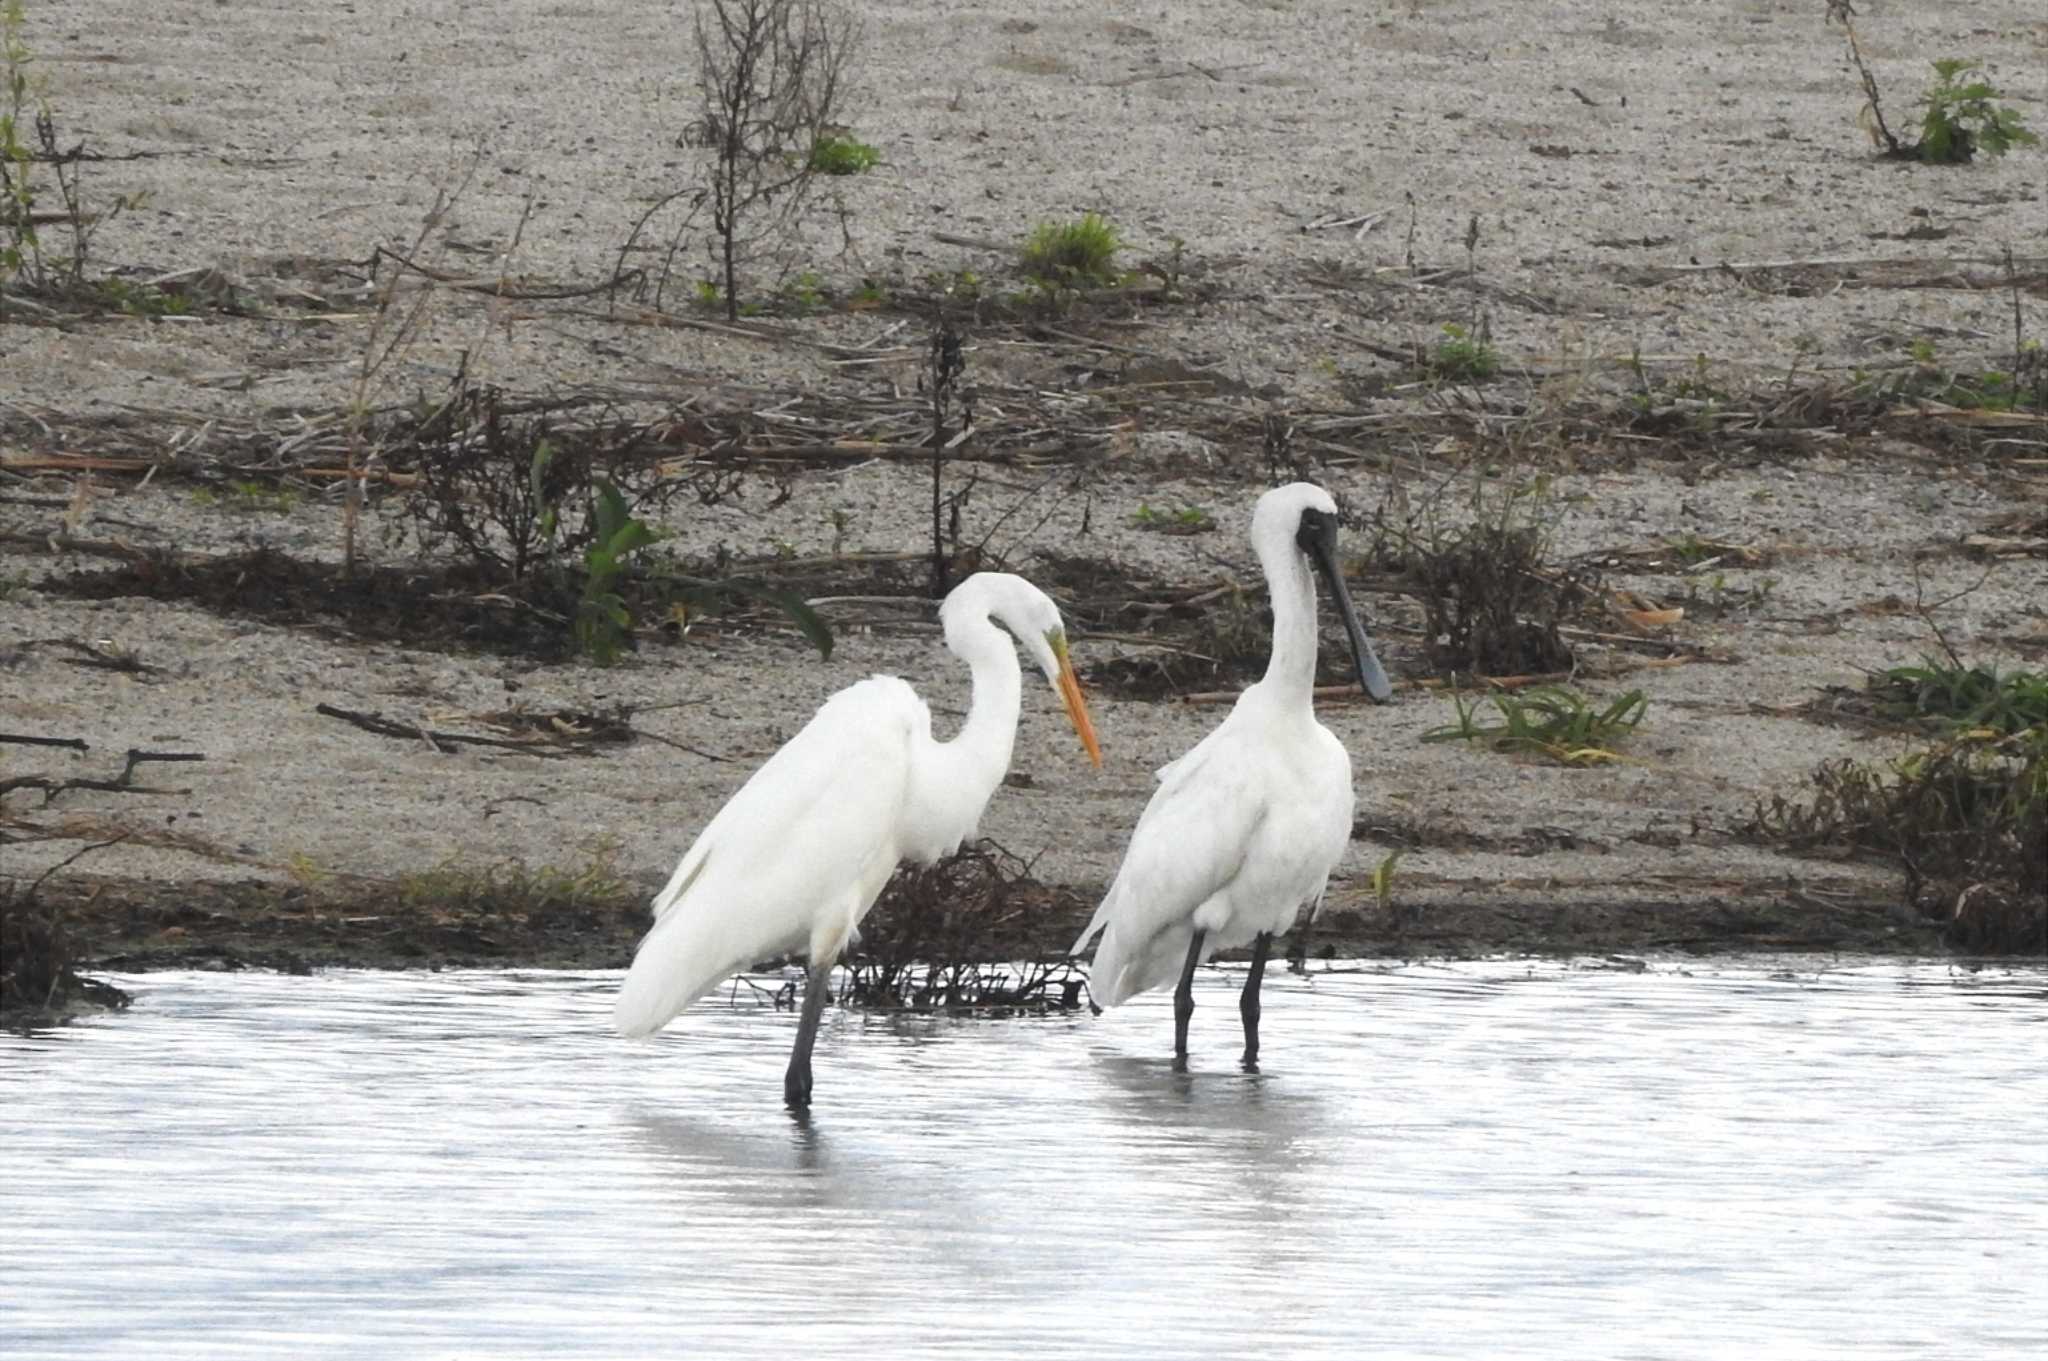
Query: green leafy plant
[
  {"x": 1463, "y": 356},
  {"x": 1965, "y": 697},
  {"x": 1077, "y": 254},
  {"x": 141, "y": 300},
  {"x": 603, "y": 623},
  {"x": 1551, "y": 721},
  {"x": 2022, "y": 388},
  {"x": 1962, "y": 119},
  {"x": 836, "y": 155},
  {"x": 804, "y": 293},
  {"x": 1186, "y": 520}
]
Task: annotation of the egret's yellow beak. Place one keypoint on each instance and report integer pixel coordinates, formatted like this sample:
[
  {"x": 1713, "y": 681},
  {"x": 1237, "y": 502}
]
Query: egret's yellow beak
[{"x": 1069, "y": 686}]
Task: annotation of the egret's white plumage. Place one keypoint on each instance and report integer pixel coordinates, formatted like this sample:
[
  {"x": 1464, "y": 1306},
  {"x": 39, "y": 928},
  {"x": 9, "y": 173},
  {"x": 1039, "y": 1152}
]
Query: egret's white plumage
[
  {"x": 1245, "y": 828},
  {"x": 797, "y": 857}
]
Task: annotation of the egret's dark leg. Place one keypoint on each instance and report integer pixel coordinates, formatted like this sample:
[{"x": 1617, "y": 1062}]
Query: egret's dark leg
[
  {"x": 1248, "y": 1000},
  {"x": 796, "y": 1083},
  {"x": 1184, "y": 1002}
]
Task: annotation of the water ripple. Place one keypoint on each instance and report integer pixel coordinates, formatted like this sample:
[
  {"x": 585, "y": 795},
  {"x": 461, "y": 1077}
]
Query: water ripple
[{"x": 1502, "y": 1159}]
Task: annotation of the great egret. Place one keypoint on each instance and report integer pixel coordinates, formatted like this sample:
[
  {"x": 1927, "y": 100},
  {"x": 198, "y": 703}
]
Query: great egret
[
  {"x": 797, "y": 857},
  {"x": 1246, "y": 827}
]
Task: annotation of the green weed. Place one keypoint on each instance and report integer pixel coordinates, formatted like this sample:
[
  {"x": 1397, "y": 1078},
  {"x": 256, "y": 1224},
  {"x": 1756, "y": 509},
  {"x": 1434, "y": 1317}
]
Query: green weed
[
  {"x": 805, "y": 293},
  {"x": 1186, "y": 520},
  {"x": 1962, "y": 119},
  {"x": 249, "y": 496},
  {"x": 1077, "y": 254},
  {"x": 1462, "y": 356},
  {"x": 603, "y": 623},
  {"x": 1975, "y": 698},
  {"x": 1551, "y": 721},
  {"x": 141, "y": 300},
  {"x": 834, "y": 155}
]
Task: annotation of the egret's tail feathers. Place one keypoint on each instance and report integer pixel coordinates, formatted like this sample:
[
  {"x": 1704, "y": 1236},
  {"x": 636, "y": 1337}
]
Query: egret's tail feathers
[
  {"x": 1093, "y": 929},
  {"x": 680, "y": 961},
  {"x": 1123, "y": 969}
]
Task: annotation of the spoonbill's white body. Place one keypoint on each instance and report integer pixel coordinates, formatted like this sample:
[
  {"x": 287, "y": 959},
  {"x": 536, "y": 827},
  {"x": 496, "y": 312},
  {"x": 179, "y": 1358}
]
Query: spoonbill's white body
[{"x": 1244, "y": 829}]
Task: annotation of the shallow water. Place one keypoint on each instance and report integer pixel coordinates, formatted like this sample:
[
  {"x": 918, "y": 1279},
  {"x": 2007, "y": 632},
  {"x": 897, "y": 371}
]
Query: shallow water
[{"x": 1480, "y": 1160}]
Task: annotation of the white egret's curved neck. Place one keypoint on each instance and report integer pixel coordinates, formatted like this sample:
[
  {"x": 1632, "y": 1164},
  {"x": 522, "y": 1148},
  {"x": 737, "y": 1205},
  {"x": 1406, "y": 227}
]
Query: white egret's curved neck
[
  {"x": 1291, "y": 671},
  {"x": 982, "y": 747}
]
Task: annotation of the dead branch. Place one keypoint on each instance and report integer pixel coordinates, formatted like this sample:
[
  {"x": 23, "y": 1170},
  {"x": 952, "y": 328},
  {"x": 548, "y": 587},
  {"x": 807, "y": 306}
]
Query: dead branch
[
  {"x": 124, "y": 783},
  {"x": 26, "y": 740},
  {"x": 539, "y": 744}
]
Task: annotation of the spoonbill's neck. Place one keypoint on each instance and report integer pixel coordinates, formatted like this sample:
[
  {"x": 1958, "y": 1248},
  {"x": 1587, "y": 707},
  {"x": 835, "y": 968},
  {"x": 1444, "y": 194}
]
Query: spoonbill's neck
[{"x": 1291, "y": 671}]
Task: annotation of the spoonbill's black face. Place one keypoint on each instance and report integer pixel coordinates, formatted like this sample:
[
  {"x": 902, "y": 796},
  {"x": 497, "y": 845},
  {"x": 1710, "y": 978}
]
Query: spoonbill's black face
[{"x": 1317, "y": 537}]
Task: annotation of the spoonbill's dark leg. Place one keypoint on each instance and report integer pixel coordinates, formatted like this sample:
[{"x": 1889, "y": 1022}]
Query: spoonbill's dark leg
[
  {"x": 1248, "y": 1000},
  {"x": 796, "y": 1083},
  {"x": 1184, "y": 1002}
]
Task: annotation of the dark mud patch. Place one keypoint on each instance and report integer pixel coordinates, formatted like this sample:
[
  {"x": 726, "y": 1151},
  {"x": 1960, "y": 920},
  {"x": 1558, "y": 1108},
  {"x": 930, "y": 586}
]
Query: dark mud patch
[
  {"x": 442, "y": 608},
  {"x": 139, "y": 926},
  {"x": 1747, "y": 919},
  {"x": 39, "y": 980}
]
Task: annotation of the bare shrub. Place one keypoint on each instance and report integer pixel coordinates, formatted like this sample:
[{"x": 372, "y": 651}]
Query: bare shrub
[
  {"x": 1492, "y": 599},
  {"x": 773, "y": 75}
]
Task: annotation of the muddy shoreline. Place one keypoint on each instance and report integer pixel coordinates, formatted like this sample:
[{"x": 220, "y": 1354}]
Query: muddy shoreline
[{"x": 135, "y": 926}]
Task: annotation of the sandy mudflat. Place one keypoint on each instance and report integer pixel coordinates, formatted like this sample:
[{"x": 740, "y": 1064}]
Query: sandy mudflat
[{"x": 1614, "y": 155}]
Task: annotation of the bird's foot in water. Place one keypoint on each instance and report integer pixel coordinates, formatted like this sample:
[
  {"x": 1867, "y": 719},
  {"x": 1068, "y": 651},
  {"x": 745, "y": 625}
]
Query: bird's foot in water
[{"x": 1250, "y": 1061}]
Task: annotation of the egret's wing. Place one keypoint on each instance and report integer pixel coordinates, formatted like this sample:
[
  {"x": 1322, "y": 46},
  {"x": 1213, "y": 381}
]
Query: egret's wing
[
  {"x": 1189, "y": 844},
  {"x": 798, "y": 854}
]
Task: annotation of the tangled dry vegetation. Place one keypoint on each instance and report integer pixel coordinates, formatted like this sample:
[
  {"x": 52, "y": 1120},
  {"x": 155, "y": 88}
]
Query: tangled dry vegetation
[
  {"x": 39, "y": 958},
  {"x": 964, "y": 935}
]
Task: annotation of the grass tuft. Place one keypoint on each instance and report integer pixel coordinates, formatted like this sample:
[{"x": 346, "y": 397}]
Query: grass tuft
[
  {"x": 512, "y": 886},
  {"x": 1076, "y": 254},
  {"x": 1551, "y": 721},
  {"x": 1463, "y": 356},
  {"x": 1965, "y": 697}
]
